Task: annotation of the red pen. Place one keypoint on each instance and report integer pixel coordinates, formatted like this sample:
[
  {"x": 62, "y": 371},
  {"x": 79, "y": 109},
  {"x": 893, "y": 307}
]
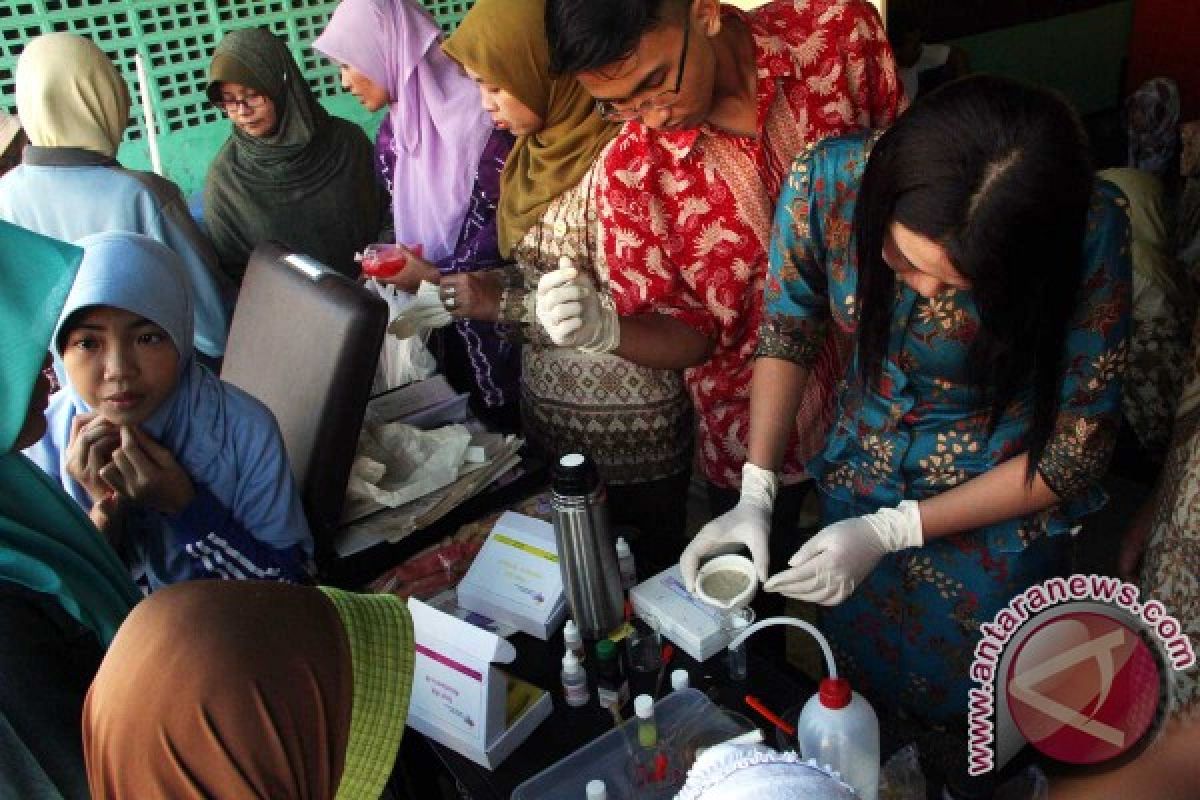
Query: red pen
[{"x": 769, "y": 715}]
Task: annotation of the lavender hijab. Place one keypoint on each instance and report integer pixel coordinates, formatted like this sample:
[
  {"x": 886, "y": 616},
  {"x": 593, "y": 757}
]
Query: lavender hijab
[{"x": 439, "y": 125}]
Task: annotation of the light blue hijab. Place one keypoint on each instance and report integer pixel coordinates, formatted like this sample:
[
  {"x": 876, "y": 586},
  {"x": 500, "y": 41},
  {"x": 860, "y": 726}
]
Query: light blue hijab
[{"x": 226, "y": 441}]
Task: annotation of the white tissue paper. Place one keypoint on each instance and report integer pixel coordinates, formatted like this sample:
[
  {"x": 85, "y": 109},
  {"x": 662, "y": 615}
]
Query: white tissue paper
[
  {"x": 398, "y": 463},
  {"x": 402, "y": 360}
]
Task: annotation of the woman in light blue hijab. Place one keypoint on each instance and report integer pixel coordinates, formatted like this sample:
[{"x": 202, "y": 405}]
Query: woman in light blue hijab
[{"x": 185, "y": 474}]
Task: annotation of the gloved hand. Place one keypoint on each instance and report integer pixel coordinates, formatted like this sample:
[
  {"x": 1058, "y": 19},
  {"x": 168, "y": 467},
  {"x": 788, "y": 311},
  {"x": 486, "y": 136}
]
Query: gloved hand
[
  {"x": 748, "y": 524},
  {"x": 573, "y": 312},
  {"x": 423, "y": 314},
  {"x": 833, "y": 563}
]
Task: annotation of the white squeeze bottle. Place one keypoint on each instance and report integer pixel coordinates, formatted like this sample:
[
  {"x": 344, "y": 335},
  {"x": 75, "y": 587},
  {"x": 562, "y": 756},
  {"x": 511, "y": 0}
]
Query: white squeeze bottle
[{"x": 839, "y": 729}]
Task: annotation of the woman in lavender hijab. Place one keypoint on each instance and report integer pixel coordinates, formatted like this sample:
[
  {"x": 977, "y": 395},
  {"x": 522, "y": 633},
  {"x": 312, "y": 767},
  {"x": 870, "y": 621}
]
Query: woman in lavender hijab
[{"x": 441, "y": 159}]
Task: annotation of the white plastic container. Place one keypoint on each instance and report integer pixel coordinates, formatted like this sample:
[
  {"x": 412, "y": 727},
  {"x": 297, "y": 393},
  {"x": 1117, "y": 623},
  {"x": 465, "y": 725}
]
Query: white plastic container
[
  {"x": 839, "y": 729},
  {"x": 596, "y": 790},
  {"x": 679, "y": 680},
  {"x": 626, "y": 564}
]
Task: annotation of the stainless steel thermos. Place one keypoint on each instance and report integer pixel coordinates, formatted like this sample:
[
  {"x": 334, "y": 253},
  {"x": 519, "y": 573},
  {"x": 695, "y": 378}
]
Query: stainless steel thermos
[{"x": 586, "y": 554}]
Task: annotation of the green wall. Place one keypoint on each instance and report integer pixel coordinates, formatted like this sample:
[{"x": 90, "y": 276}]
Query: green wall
[{"x": 1078, "y": 54}]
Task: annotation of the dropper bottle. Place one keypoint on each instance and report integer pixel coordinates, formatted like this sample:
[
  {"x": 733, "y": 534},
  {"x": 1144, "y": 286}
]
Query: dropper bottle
[{"x": 643, "y": 706}]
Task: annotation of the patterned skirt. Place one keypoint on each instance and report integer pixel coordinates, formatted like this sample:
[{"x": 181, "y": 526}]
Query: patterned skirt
[{"x": 635, "y": 422}]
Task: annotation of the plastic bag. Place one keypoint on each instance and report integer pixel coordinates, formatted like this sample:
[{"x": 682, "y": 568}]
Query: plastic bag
[{"x": 401, "y": 361}]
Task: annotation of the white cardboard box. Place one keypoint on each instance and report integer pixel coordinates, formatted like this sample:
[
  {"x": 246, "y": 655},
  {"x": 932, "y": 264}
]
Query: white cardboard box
[
  {"x": 515, "y": 578},
  {"x": 459, "y": 695},
  {"x": 693, "y": 625}
]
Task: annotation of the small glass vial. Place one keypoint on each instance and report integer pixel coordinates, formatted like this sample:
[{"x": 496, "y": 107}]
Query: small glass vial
[
  {"x": 679, "y": 680},
  {"x": 643, "y": 706},
  {"x": 596, "y": 790},
  {"x": 612, "y": 687},
  {"x": 574, "y": 681},
  {"x": 738, "y": 621},
  {"x": 574, "y": 641},
  {"x": 626, "y": 564}
]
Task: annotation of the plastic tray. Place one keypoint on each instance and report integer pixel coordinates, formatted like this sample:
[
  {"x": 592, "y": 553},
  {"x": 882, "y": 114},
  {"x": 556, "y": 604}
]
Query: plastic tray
[{"x": 686, "y": 720}]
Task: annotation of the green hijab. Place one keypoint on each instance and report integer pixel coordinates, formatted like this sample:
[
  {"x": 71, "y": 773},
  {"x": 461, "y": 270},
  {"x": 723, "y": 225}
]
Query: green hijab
[
  {"x": 47, "y": 543},
  {"x": 309, "y": 185}
]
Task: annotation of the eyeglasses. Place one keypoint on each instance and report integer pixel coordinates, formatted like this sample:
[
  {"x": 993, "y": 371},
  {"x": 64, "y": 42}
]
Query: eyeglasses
[
  {"x": 248, "y": 103},
  {"x": 611, "y": 111}
]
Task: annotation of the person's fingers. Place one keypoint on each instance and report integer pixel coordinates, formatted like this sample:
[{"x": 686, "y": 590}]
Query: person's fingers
[
  {"x": 564, "y": 312},
  {"x": 804, "y": 578},
  {"x": 555, "y": 279},
  {"x": 111, "y": 475},
  {"x": 561, "y": 331},
  {"x": 808, "y": 551},
  {"x": 760, "y": 554},
  {"x": 562, "y": 295},
  {"x": 689, "y": 562},
  {"x": 133, "y": 455},
  {"x": 78, "y": 422}
]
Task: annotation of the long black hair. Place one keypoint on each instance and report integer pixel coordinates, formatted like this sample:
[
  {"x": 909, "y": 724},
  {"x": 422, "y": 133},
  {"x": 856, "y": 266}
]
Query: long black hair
[{"x": 997, "y": 172}]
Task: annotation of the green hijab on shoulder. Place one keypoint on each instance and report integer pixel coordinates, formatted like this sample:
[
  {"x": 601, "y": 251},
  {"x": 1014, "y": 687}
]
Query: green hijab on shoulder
[{"x": 47, "y": 543}]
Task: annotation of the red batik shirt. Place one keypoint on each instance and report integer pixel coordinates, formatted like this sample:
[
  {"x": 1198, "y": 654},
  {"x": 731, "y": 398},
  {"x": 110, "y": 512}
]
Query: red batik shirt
[{"x": 686, "y": 215}]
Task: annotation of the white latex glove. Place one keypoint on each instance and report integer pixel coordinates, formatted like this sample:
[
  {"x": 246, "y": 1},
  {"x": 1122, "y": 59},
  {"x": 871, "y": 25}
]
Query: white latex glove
[
  {"x": 747, "y": 524},
  {"x": 423, "y": 314},
  {"x": 832, "y": 564},
  {"x": 573, "y": 312}
]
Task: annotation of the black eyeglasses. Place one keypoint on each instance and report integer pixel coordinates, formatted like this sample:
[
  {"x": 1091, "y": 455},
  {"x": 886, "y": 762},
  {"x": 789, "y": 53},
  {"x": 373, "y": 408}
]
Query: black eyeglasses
[
  {"x": 248, "y": 103},
  {"x": 613, "y": 112}
]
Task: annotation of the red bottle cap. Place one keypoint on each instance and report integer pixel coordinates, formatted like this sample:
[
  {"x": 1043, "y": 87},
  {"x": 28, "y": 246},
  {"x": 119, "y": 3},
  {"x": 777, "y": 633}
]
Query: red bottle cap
[{"x": 834, "y": 692}]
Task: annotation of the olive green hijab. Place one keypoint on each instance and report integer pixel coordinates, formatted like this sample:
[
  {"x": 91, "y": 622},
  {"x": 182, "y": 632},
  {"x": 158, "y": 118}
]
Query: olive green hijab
[
  {"x": 310, "y": 185},
  {"x": 504, "y": 43},
  {"x": 47, "y": 543}
]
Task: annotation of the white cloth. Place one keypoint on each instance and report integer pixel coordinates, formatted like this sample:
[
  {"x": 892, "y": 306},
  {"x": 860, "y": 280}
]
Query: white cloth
[
  {"x": 754, "y": 772},
  {"x": 832, "y": 564},
  {"x": 747, "y": 524},
  {"x": 397, "y": 463}
]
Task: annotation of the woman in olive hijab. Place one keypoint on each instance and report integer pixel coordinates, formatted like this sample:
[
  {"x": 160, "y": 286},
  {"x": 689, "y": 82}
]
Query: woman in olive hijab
[{"x": 289, "y": 172}]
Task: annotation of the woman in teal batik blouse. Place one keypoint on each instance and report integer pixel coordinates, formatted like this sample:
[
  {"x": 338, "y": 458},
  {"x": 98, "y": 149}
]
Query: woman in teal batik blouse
[{"x": 977, "y": 279}]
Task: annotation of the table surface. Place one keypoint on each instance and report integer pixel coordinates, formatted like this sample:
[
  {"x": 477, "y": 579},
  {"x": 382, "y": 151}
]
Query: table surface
[{"x": 567, "y": 729}]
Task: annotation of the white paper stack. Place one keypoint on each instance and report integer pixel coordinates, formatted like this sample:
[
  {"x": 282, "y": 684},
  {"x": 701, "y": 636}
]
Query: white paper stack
[{"x": 516, "y": 578}]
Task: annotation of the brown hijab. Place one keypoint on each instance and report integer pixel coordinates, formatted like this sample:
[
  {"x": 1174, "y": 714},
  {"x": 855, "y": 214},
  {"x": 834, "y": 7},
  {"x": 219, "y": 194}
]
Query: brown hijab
[{"x": 244, "y": 689}]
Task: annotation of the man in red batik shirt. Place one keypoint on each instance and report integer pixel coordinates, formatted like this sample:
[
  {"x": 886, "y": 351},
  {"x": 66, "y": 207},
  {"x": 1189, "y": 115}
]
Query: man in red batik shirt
[{"x": 716, "y": 104}]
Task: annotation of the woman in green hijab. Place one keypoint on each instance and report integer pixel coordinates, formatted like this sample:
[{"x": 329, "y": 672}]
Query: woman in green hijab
[
  {"x": 63, "y": 591},
  {"x": 289, "y": 171}
]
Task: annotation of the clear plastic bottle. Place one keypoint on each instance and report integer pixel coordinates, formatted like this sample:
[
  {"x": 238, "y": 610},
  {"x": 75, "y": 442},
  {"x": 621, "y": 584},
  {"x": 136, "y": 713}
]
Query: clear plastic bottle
[
  {"x": 574, "y": 681},
  {"x": 626, "y": 564},
  {"x": 679, "y": 680},
  {"x": 596, "y": 790},
  {"x": 573, "y": 641},
  {"x": 643, "y": 706},
  {"x": 737, "y": 655},
  {"x": 839, "y": 729}
]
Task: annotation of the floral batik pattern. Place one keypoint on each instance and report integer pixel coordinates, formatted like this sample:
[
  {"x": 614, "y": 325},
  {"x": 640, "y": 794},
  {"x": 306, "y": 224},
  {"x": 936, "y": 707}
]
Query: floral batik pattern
[
  {"x": 1171, "y": 568},
  {"x": 687, "y": 213},
  {"x": 911, "y": 627}
]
